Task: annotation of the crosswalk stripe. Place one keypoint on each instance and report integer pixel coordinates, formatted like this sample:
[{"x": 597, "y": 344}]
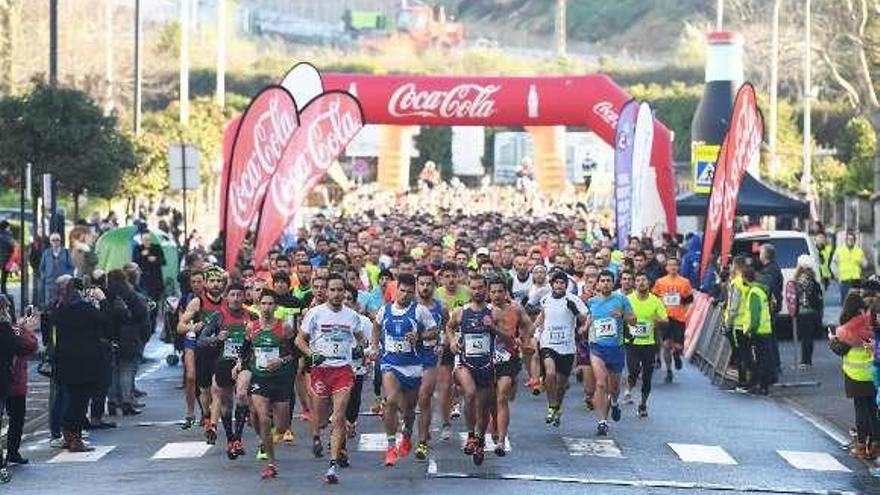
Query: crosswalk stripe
[
  {"x": 490, "y": 444},
  {"x": 373, "y": 442},
  {"x": 182, "y": 450},
  {"x": 813, "y": 461},
  {"x": 591, "y": 447},
  {"x": 99, "y": 452},
  {"x": 708, "y": 454}
]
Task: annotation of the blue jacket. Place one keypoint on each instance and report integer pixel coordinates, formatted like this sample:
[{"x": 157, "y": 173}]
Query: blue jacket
[{"x": 690, "y": 261}]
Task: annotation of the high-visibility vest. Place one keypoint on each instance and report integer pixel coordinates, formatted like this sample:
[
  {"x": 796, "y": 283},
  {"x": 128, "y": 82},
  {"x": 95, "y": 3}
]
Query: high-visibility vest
[
  {"x": 849, "y": 263},
  {"x": 825, "y": 267},
  {"x": 743, "y": 315},
  {"x": 764, "y": 327},
  {"x": 736, "y": 284},
  {"x": 857, "y": 364}
]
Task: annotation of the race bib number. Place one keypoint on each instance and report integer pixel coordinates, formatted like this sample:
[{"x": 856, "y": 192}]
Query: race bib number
[
  {"x": 232, "y": 348},
  {"x": 476, "y": 345},
  {"x": 335, "y": 348},
  {"x": 672, "y": 299},
  {"x": 262, "y": 356},
  {"x": 397, "y": 345},
  {"x": 605, "y": 328},
  {"x": 429, "y": 344},
  {"x": 640, "y": 330},
  {"x": 557, "y": 336},
  {"x": 502, "y": 355}
]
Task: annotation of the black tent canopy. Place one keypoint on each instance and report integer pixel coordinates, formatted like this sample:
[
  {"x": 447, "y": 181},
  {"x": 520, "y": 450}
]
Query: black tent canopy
[{"x": 755, "y": 198}]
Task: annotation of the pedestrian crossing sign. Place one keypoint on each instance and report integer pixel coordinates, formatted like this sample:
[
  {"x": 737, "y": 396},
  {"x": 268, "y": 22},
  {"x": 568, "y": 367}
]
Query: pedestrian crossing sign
[{"x": 704, "y": 157}]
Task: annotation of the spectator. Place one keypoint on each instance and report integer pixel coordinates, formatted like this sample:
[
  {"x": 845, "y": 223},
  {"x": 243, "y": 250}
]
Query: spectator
[
  {"x": 10, "y": 348},
  {"x": 771, "y": 278},
  {"x": 150, "y": 258},
  {"x": 55, "y": 262},
  {"x": 7, "y": 246},
  {"x": 808, "y": 309},
  {"x": 80, "y": 327},
  {"x": 15, "y": 401},
  {"x": 128, "y": 316},
  {"x": 35, "y": 254}
]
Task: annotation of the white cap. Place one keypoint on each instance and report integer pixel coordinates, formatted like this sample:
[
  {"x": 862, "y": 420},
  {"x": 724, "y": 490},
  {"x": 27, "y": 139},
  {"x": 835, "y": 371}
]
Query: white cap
[
  {"x": 483, "y": 251},
  {"x": 805, "y": 261}
]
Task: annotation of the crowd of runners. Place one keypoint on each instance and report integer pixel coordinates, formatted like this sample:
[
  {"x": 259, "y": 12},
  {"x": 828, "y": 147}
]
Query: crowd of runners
[{"x": 436, "y": 314}]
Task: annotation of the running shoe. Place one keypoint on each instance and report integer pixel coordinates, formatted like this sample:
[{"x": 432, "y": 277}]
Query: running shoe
[
  {"x": 270, "y": 471},
  {"x": 499, "y": 450},
  {"x": 677, "y": 357},
  {"x": 479, "y": 452},
  {"x": 391, "y": 456},
  {"x": 377, "y": 405},
  {"x": 344, "y": 461},
  {"x": 288, "y": 437},
  {"x": 456, "y": 411},
  {"x": 332, "y": 476},
  {"x": 668, "y": 376},
  {"x": 230, "y": 450},
  {"x": 210, "y": 435},
  {"x": 557, "y": 417},
  {"x": 405, "y": 446},
  {"x": 643, "y": 411},
  {"x": 317, "y": 449},
  {"x": 470, "y": 446},
  {"x": 422, "y": 451},
  {"x": 446, "y": 432},
  {"x": 188, "y": 422},
  {"x": 238, "y": 447},
  {"x": 627, "y": 397},
  {"x": 5, "y": 477},
  {"x": 532, "y": 383},
  {"x": 602, "y": 429},
  {"x": 261, "y": 454},
  {"x": 306, "y": 416},
  {"x": 551, "y": 414},
  {"x": 536, "y": 390},
  {"x": 615, "y": 412}
]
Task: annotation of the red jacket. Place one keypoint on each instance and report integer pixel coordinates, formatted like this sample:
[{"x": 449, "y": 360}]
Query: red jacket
[{"x": 28, "y": 342}]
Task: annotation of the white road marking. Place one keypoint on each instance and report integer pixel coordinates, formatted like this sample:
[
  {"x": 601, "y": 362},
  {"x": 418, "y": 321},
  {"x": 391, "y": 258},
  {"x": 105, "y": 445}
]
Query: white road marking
[
  {"x": 99, "y": 452},
  {"x": 490, "y": 444},
  {"x": 820, "y": 424},
  {"x": 709, "y": 454},
  {"x": 182, "y": 450},
  {"x": 592, "y": 447},
  {"x": 813, "y": 461},
  {"x": 373, "y": 442}
]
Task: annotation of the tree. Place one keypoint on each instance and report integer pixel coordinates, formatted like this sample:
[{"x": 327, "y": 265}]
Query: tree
[
  {"x": 434, "y": 144},
  {"x": 856, "y": 145},
  {"x": 63, "y": 132}
]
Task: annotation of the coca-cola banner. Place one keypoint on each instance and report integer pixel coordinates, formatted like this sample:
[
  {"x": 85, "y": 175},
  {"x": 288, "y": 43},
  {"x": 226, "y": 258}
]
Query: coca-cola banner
[
  {"x": 229, "y": 133},
  {"x": 623, "y": 165},
  {"x": 594, "y": 101},
  {"x": 741, "y": 147},
  {"x": 329, "y": 123},
  {"x": 265, "y": 129}
]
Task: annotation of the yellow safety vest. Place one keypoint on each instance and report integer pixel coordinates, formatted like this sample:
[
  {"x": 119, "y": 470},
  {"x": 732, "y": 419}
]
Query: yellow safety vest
[
  {"x": 764, "y": 327},
  {"x": 857, "y": 364},
  {"x": 736, "y": 285},
  {"x": 825, "y": 267},
  {"x": 743, "y": 316},
  {"x": 849, "y": 263}
]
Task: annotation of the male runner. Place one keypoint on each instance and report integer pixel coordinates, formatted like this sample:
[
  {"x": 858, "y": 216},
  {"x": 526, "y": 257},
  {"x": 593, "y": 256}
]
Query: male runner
[
  {"x": 562, "y": 318},
  {"x": 229, "y": 337},
  {"x": 431, "y": 350},
  {"x": 452, "y": 296},
  {"x": 677, "y": 294},
  {"x": 202, "y": 311},
  {"x": 641, "y": 348},
  {"x": 609, "y": 310},
  {"x": 360, "y": 365},
  {"x": 268, "y": 353},
  {"x": 328, "y": 334},
  {"x": 471, "y": 332},
  {"x": 515, "y": 322},
  {"x": 399, "y": 332}
]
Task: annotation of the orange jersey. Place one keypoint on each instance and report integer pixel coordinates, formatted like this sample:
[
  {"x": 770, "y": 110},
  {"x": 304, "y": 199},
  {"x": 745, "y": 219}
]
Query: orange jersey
[{"x": 673, "y": 291}]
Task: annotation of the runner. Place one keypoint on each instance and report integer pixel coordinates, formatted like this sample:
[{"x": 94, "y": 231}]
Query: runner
[
  {"x": 229, "y": 336},
  {"x": 641, "y": 347},
  {"x": 562, "y": 318},
  {"x": 189, "y": 332},
  {"x": 609, "y": 310},
  {"x": 677, "y": 294},
  {"x": 328, "y": 334},
  {"x": 515, "y": 322},
  {"x": 452, "y": 296},
  {"x": 359, "y": 363},
  {"x": 431, "y": 350},
  {"x": 204, "y": 312},
  {"x": 399, "y": 333},
  {"x": 472, "y": 331},
  {"x": 268, "y": 353}
]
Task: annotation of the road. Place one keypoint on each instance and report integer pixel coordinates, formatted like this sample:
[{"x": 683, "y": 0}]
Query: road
[{"x": 698, "y": 439}]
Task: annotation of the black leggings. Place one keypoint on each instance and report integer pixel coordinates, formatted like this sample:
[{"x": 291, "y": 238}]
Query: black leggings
[
  {"x": 808, "y": 326},
  {"x": 640, "y": 361},
  {"x": 354, "y": 400},
  {"x": 75, "y": 415},
  {"x": 867, "y": 424},
  {"x": 377, "y": 381},
  {"x": 15, "y": 408}
]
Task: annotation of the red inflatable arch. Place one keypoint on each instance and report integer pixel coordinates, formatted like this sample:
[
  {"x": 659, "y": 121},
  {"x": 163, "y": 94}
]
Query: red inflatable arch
[{"x": 592, "y": 101}]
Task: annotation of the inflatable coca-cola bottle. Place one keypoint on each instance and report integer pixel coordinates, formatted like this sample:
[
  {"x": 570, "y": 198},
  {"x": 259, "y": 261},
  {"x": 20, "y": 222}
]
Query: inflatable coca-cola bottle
[{"x": 724, "y": 75}]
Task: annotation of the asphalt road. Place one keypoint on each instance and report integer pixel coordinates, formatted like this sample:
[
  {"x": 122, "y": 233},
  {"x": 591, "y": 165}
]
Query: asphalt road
[{"x": 698, "y": 439}]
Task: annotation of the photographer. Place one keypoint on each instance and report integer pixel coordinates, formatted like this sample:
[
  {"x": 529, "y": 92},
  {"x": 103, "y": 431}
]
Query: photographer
[
  {"x": 127, "y": 313},
  {"x": 80, "y": 326}
]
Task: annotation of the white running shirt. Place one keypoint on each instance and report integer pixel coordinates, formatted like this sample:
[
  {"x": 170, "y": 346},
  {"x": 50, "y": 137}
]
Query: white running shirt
[{"x": 560, "y": 323}]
